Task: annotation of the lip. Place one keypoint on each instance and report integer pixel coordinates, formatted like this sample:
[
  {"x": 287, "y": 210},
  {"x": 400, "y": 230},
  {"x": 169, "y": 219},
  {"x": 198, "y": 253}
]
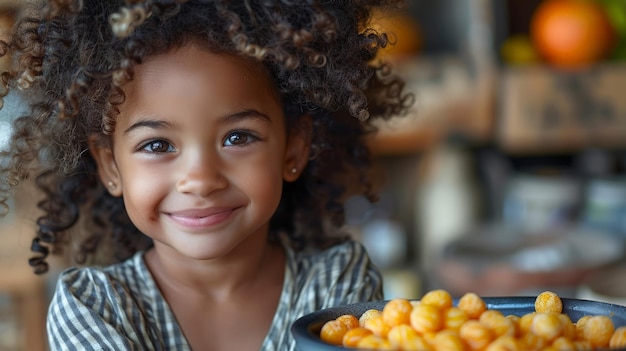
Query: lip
[{"x": 202, "y": 218}]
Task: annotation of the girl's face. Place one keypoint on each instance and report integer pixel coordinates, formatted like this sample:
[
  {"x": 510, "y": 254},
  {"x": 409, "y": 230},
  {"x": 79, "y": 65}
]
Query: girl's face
[{"x": 200, "y": 151}]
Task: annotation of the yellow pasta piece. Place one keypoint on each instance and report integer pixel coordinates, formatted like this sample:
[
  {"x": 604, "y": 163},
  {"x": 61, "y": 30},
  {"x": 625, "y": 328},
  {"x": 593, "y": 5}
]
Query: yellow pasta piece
[
  {"x": 454, "y": 317},
  {"x": 546, "y": 325},
  {"x": 497, "y": 323},
  {"x": 525, "y": 322},
  {"x": 397, "y": 312},
  {"x": 582, "y": 345},
  {"x": 353, "y": 336},
  {"x": 439, "y": 298},
  {"x": 569, "y": 328},
  {"x": 516, "y": 324},
  {"x": 333, "y": 331},
  {"x": 373, "y": 342},
  {"x": 504, "y": 343},
  {"x": 476, "y": 334},
  {"x": 530, "y": 341},
  {"x": 448, "y": 340},
  {"x": 416, "y": 344},
  {"x": 426, "y": 318},
  {"x": 563, "y": 343},
  {"x": 378, "y": 326},
  {"x": 548, "y": 302},
  {"x": 429, "y": 338},
  {"x": 472, "y": 304},
  {"x": 349, "y": 320},
  {"x": 598, "y": 331},
  {"x": 580, "y": 327},
  {"x": 367, "y": 315},
  {"x": 402, "y": 335},
  {"x": 618, "y": 340}
]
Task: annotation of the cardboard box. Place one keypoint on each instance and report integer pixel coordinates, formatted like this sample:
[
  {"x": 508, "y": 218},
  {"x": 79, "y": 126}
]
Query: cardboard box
[{"x": 541, "y": 109}]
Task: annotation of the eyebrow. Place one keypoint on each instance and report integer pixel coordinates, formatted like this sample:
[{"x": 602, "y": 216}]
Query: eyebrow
[
  {"x": 246, "y": 114},
  {"x": 238, "y": 116},
  {"x": 148, "y": 123}
]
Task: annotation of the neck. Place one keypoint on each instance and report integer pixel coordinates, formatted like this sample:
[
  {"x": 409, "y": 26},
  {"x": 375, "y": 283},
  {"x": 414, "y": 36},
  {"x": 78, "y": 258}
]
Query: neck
[{"x": 249, "y": 264}]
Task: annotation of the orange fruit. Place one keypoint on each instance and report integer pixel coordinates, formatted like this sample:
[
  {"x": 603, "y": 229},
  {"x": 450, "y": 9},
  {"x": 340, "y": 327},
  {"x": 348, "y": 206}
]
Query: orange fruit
[{"x": 572, "y": 33}]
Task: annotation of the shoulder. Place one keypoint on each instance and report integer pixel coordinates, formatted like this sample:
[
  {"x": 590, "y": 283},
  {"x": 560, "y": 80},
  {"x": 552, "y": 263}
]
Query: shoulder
[
  {"x": 129, "y": 275},
  {"x": 347, "y": 253},
  {"x": 116, "y": 308},
  {"x": 104, "y": 288},
  {"x": 343, "y": 271},
  {"x": 125, "y": 288}
]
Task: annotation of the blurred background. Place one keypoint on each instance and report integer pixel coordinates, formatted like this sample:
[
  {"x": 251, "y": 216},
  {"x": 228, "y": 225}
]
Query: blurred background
[{"x": 508, "y": 177}]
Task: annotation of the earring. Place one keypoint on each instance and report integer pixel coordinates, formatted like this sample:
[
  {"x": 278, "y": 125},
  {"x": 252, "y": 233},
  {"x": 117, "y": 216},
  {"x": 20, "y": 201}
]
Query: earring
[
  {"x": 294, "y": 170},
  {"x": 111, "y": 185}
]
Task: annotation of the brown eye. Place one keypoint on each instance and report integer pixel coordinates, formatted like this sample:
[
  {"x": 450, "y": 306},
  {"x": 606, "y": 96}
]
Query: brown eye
[
  {"x": 158, "y": 146},
  {"x": 239, "y": 138}
]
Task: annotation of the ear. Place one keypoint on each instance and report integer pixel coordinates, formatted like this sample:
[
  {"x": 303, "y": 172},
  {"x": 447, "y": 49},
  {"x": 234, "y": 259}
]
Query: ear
[
  {"x": 107, "y": 168},
  {"x": 298, "y": 146}
]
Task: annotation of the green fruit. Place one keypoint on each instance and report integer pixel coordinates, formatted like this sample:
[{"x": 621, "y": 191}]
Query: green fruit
[
  {"x": 517, "y": 50},
  {"x": 616, "y": 11}
]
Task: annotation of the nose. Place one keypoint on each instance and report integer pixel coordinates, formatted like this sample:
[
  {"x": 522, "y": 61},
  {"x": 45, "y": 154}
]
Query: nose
[{"x": 201, "y": 174}]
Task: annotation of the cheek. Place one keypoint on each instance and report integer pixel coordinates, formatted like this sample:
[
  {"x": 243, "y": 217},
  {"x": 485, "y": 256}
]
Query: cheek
[
  {"x": 264, "y": 185},
  {"x": 142, "y": 194}
]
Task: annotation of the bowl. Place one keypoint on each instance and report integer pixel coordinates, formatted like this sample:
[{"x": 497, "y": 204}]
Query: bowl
[
  {"x": 497, "y": 260},
  {"x": 306, "y": 329}
]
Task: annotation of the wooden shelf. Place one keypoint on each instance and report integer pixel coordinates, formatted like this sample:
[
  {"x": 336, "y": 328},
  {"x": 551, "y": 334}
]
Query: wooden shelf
[
  {"x": 544, "y": 110},
  {"x": 449, "y": 99}
]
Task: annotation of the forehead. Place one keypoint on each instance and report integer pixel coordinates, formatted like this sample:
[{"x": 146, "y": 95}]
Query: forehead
[
  {"x": 192, "y": 60},
  {"x": 212, "y": 81}
]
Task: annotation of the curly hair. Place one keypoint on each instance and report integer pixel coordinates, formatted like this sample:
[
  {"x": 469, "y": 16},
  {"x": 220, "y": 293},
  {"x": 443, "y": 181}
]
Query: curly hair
[{"x": 71, "y": 58}]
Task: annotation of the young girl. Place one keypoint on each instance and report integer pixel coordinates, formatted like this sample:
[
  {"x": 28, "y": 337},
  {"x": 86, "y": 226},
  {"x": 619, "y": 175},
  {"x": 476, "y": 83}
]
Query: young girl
[{"x": 193, "y": 157}]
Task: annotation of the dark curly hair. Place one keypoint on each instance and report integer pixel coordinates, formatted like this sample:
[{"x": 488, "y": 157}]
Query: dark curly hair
[{"x": 72, "y": 56}]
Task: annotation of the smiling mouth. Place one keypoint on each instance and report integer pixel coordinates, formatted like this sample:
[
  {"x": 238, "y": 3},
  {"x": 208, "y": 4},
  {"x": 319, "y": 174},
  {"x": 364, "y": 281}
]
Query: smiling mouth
[{"x": 200, "y": 219}]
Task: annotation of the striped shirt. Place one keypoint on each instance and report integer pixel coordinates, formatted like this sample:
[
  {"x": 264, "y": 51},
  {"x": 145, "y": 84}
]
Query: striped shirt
[{"x": 120, "y": 307}]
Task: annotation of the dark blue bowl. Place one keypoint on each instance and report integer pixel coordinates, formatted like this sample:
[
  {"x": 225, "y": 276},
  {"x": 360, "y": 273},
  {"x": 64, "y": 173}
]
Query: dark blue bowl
[{"x": 306, "y": 329}]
